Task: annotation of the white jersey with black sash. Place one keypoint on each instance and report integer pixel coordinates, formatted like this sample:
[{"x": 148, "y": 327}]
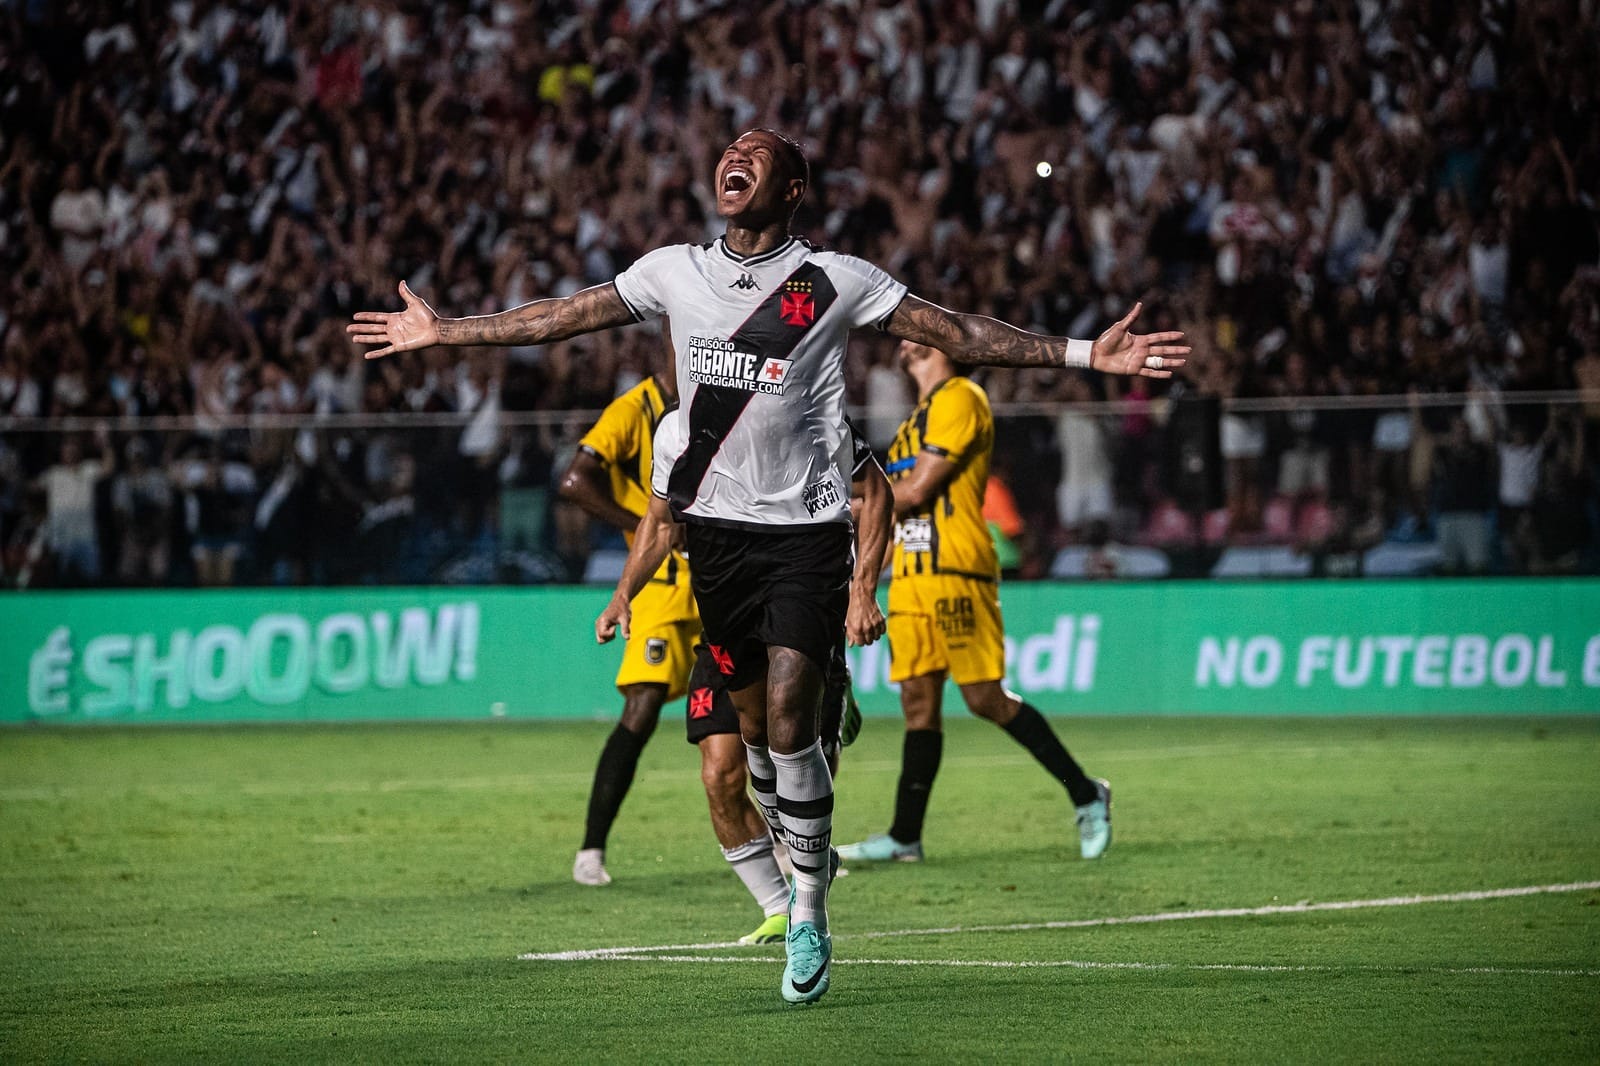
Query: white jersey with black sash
[{"x": 760, "y": 438}]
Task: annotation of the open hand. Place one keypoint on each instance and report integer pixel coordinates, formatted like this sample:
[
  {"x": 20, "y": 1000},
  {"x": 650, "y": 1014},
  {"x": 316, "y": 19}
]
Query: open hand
[
  {"x": 1151, "y": 355},
  {"x": 402, "y": 331}
]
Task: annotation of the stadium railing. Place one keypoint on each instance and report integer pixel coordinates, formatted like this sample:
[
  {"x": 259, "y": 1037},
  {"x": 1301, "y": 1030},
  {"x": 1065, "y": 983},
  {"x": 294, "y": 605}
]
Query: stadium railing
[{"x": 1182, "y": 486}]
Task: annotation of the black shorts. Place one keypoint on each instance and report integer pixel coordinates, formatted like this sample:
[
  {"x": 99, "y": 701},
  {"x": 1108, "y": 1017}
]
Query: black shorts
[
  {"x": 710, "y": 711},
  {"x": 786, "y": 588}
]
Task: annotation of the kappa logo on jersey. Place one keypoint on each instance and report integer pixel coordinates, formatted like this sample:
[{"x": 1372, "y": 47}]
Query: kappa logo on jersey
[
  {"x": 720, "y": 656},
  {"x": 655, "y": 651},
  {"x": 719, "y": 362},
  {"x": 797, "y": 307},
  {"x": 744, "y": 282},
  {"x": 700, "y": 703}
]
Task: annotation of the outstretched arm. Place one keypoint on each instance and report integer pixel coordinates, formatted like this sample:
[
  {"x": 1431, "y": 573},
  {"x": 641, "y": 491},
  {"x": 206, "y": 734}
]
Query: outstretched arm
[
  {"x": 538, "y": 322},
  {"x": 988, "y": 341}
]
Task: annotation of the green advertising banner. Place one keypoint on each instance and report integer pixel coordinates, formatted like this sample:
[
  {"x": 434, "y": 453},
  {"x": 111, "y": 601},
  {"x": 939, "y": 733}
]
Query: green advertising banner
[
  {"x": 1507, "y": 646},
  {"x": 1314, "y": 647},
  {"x": 316, "y": 654}
]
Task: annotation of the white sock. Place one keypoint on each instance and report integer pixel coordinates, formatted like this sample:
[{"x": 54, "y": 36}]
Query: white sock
[
  {"x": 805, "y": 803},
  {"x": 758, "y": 869},
  {"x": 764, "y": 786}
]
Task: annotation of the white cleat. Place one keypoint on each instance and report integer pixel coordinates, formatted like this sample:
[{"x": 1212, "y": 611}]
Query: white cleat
[
  {"x": 589, "y": 868},
  {"x": 881, "y": 847},
  {"x": 1094, "y": 823}
]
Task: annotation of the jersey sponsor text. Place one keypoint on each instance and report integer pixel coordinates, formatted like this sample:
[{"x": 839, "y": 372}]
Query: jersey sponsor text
[
  {"x": 821, "y": 495},
  {"x": 721, "y": 363}
]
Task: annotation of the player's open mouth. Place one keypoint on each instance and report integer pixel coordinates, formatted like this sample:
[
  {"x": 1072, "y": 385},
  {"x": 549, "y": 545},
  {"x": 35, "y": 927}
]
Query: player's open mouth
[{"x": 736, "y": 180}]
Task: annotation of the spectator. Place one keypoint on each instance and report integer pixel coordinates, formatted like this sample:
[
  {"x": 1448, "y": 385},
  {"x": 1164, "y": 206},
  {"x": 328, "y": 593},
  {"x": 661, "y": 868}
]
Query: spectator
[
  {"x": 141, "y": 500},
  {"x": 222, "y": 491},
  {"x": 285, "y": 518},
  {"x": 1084, "y": 492},
  {"x": 77, "y": 214},
  {"x": 1521, "y": 453},
  {"x": 386, "y": 523},
  {"x": 1243, "y": 443},
  {"x": 1556, "y": 530},
  {"x": 888, "y": 398},
  {"x": 1463, "y": 488},
  {"x": 1303, "y": 453},
  {"x": 71, "y": 528}
]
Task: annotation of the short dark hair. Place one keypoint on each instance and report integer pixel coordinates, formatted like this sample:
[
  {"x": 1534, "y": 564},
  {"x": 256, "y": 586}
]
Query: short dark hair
[{"x": 795, "y": 163}]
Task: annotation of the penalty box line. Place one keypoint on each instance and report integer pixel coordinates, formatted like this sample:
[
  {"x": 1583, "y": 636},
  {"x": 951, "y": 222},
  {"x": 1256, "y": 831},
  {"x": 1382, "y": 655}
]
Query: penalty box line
[{"x": 633, "y": 953}]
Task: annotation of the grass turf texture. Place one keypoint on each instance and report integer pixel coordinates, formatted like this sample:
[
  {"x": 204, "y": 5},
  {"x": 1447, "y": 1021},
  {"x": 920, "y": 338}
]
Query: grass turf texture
[{"x": 362, "y": 893}]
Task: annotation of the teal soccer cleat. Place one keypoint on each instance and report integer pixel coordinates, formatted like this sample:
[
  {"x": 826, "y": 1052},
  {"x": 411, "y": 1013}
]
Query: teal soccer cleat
[
  {"x": 805, "y": 976},
  {"x": 1094, "y": 822},
  {"x": 881, "y": 847}
]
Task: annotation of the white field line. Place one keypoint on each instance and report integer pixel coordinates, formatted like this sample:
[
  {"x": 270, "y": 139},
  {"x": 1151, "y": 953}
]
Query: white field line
[
  {"x": 1304, "y": 907},
  {"x": 1131, "y": 755},
  {"x": 1084, "y": 964},
  {"x": 540, "y": 781}
]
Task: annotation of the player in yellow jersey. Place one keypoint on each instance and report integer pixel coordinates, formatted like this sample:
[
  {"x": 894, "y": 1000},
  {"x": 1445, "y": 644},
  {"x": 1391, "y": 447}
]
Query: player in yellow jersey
[
  {"x": 609, "y": 477},
  {"x": 944, "y": 607}
]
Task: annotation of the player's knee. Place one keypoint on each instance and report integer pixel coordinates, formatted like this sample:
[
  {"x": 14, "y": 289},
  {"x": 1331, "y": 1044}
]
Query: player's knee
[
  {"x": 990, "y": 701},
  {"x": 723, "y": 778},
  {"x": 920, "y": 712},
  {"x": 794, "y": 682},
  {"x": 641, "y": 708},
  {"x": 919, "y": 701}
]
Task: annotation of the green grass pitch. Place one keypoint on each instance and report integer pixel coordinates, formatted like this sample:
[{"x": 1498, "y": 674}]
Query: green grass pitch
[{"x": 363, "y": 893}]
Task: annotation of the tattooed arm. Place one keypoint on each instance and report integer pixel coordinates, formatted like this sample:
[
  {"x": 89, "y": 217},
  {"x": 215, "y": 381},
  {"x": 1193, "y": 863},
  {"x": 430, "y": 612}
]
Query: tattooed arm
[
  {"x": 988, "y": 341},
  {"x": 538, "y": 322}
]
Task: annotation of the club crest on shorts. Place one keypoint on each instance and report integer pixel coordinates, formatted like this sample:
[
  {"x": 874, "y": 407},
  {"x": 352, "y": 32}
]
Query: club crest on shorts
[
  {"x": 655, "y": 651},
  {"x": 700, "y": 703}
]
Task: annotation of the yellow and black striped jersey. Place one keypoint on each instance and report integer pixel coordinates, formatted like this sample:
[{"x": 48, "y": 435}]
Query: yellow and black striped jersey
[
  {"x": 950, "y": 536},
  {"x": 622, "y": 438}
]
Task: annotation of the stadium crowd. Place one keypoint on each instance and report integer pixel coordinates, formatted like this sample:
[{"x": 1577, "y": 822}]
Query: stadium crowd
[{"x": 1334, "y": 200}]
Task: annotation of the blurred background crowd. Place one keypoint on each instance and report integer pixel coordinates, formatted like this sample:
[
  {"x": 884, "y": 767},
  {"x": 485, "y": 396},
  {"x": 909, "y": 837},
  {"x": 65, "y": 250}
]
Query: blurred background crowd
[{"x": 1375, "y": 220}]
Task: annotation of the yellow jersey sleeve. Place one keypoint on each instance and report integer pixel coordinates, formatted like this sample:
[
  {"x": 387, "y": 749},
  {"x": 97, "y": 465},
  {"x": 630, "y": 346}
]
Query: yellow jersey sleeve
[
  {"x": 958, "y": 420},
  {"x": 621, "y": 439},
  {"x": 614, "y": 437}
]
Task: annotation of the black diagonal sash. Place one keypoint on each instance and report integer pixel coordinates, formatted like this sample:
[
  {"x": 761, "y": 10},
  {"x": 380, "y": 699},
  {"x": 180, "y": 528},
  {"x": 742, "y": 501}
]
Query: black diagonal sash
[{"x": 716, "y": 408}]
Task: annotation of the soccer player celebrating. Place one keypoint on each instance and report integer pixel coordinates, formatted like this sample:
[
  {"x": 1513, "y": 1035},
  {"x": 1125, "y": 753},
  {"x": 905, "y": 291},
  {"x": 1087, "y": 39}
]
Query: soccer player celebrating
[
  {"x": 713, "y": 720},
  {"x": 944, "y": 607},
  {"x": 756, "y": 465},
  {"x": 604, "y": 478}
]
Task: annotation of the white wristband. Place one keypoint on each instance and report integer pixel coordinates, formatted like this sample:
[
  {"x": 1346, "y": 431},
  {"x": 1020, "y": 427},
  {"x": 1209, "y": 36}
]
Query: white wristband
[{"x": 1078, "y": 352}]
